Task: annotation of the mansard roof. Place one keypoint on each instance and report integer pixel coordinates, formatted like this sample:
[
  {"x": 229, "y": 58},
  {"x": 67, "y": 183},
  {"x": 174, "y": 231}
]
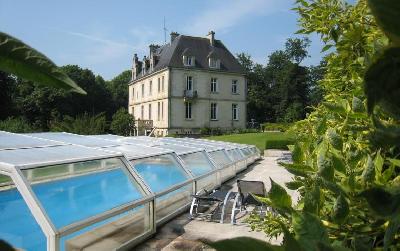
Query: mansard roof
[{"x": 171, "y": 54}]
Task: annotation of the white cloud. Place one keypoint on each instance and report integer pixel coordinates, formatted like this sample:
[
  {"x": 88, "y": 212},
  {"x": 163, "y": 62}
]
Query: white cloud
[
  {"x": 96, "y": 51},
  {"x": 98, "y": 39},
  {"x": 226, "y": 15}
]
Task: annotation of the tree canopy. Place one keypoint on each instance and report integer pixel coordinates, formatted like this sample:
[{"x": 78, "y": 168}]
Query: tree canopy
[
  {"x": 41, "y": 105},
  {"x": 282, "y": 90}
]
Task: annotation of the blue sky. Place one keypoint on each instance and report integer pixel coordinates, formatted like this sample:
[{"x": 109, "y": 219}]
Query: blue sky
[{"x": 103, "y": 35}]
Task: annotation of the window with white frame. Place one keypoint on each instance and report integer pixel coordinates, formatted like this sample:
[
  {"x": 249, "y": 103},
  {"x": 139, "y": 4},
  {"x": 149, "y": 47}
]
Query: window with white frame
[
  {"x": 188, "y": 60},
  {"x": 150, "y": 87},
  {"x": 133, "y": 93},
  {"x": 234, "y": 86},
  {"x": 162, "y": 83},
  {"x": 158, "y": 85},
  {"x": 142, "y": 112},
  {"x": 213, "y": 63},
  {"x": 214, "y": 85},
  {"x": 188, "y": 110},
  {"x": 189, "y": 83},
  {"x": 149, "y": 111},
  {"x": 235, "y": 112},
  {"x": 142, "y": 90},
  {"x": 213, "y": 114}
]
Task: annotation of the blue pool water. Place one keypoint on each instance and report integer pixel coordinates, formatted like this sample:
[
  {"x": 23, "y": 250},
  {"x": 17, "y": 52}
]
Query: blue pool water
[
  {"x": 70, "y": 200},
  {"x": 160, "y": 176},
  {"x": 66, "y": 201},
  {"x": 17, "y": 225}
]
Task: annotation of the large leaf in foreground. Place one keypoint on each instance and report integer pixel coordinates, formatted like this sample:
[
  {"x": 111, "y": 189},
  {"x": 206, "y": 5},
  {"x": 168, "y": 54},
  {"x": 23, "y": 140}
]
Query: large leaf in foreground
[
  {"x": 23, "y": 61},
  {"x": 278, "y": 196},
  {"x": 309, "y": 230},
  {"x": 382, "y": 82},
  {"x": 386, "y": 13},
  {"x": 382, "y": 202}
]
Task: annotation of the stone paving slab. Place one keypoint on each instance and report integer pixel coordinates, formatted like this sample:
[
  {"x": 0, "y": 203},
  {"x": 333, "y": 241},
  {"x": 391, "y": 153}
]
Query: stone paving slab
[{"x": 183, "y": 234}]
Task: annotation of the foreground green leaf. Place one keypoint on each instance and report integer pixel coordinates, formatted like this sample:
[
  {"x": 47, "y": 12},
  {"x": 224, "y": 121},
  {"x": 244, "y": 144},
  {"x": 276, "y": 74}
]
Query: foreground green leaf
[
  {"x": 368, "y": 174},
  {"x": 382, "y": 82},
  {"x": 382, "y": 202},
  {"x": 312, "y": 200},
  {"x": 340, "y": 209},
  {"x": 386, "y": 13},
  {"x": 325, "y": 165},
  {"x": 392, "y": 229},
  {"x": 309, "y": 230},
  {"x": 334, "y": 138},
  {"x": 278, "y": 196},
  {"x": 23, "y": 61},
  {"x": 289, "y": 242}
]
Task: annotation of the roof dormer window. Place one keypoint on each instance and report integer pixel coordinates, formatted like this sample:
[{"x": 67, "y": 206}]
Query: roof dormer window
[
  {"x": 214, "y": 63},
  {"x": 188, "y": 60}
]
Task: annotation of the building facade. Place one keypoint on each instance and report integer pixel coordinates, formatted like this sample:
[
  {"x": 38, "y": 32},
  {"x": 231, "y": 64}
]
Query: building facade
[{"x": 188, "y": 84}]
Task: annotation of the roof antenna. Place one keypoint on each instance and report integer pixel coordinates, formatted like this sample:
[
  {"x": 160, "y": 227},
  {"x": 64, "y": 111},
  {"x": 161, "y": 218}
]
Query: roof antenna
[{"x": 165, "y": 32}]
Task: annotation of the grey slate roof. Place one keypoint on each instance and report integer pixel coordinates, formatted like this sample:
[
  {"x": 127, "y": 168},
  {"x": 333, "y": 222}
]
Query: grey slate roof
[{"x": 170, "y": 55}]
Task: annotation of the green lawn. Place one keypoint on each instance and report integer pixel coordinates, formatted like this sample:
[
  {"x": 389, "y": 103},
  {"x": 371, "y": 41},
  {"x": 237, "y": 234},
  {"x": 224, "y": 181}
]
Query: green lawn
[{"x": 257, "y": 139}]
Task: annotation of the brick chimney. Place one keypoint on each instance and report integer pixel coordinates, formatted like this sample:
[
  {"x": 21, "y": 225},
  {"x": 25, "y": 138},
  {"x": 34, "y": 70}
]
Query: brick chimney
[{"x": 211, "y": 37}]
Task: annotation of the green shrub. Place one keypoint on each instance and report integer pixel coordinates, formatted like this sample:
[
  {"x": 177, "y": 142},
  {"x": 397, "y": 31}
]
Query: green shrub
[
  {"x": 279, "y": 143},
  {"x": 217, "y": 131},
  {"x": 205, "y": 131},
  {"x": 122, "y": 122},
  {"x": 83, "y": 124},
  {"x": 282, "y": 127},
  {"x": 18, "y": 125}
]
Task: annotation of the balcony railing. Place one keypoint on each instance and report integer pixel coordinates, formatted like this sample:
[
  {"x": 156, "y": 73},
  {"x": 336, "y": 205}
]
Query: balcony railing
[
  {"x": 189, "y": 95},
  {"x": 145, "y": 123}
]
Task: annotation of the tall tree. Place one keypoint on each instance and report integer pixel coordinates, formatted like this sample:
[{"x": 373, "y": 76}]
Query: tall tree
[
  {"x": 7, "y": 89},
  {"x": 118, "y": 87},
  {"x": 280, "y": 91}
]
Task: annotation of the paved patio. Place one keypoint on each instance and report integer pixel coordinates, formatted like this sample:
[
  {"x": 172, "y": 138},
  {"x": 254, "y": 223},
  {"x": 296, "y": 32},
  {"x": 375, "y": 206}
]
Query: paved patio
[{"x": 182, "y": 233}]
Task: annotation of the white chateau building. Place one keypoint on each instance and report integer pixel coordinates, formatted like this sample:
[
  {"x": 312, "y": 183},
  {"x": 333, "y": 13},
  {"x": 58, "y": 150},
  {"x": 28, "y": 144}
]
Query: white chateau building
[{"x": 188, "y": 84}]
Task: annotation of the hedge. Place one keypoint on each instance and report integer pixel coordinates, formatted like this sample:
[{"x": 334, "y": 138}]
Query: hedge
[
  {"x": 279, "y": 143},
  {"x": 282, "y": 127}
]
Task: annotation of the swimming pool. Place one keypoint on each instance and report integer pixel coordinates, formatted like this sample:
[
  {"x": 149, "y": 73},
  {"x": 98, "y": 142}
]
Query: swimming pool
[{"x": 66, "y": 201}]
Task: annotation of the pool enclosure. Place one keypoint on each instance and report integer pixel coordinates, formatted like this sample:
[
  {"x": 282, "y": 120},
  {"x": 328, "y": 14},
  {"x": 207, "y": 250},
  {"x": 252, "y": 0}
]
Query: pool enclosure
[
  {"x": 233, "y": 151},
  {"x": 63, "y": 191},
  {"x": 165, "y": 175},
  {"x": 218, "y": 155},
  {"x": 160, "y": 169},
  {"x": 69, "y": 197},
  {"x": 250, "y": 152},
  {"x": 196, "y": 160}
]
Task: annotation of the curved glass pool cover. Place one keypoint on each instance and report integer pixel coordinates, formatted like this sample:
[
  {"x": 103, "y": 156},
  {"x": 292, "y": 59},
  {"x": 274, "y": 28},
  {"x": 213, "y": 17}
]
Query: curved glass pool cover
[
  {"x": 253, "y": 154},
  {"x": 160, "y": 169},
  {"x": 62, "y": 191},
  {"x": 233, "y": 151},
  {"x": 68, "y": 197},
  {"x": 226, "y": 166},
  {"x": 165, "y": 176},
  {"x": 194, "y": 159}
]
